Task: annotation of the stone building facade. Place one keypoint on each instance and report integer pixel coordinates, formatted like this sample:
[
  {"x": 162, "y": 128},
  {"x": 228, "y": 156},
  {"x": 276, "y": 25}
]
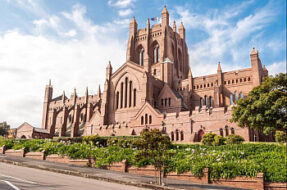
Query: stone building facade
[{"x": 155, "y": 88}]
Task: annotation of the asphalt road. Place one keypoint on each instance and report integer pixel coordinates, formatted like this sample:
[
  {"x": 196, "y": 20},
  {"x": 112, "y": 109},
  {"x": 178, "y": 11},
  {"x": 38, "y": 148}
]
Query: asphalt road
[{"x": 16, "y": 177}]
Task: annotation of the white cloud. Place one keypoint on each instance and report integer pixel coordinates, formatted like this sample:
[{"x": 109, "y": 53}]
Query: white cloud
[
  {"x": 277, "y": 67},
  {"x": 28, "y": 61},
  {"x": 120, "y": 3},
  {"x": 227, "y": 35},
  {"x": 125, "y": 12}
]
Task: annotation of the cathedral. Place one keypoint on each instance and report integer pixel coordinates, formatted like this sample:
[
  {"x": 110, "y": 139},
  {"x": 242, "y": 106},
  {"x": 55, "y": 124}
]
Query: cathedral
[{"x": 155, "y": 88}]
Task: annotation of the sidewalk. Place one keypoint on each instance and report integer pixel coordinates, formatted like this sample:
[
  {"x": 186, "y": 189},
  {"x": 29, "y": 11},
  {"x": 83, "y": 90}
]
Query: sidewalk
[{"x": 106, "y": 175}]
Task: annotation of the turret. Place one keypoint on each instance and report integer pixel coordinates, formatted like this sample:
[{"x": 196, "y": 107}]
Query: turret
[
  {"x": 63, "y": 97},
  {"x": 181, "y": 31},
  {"x": 174, "y": 26},
  {"x": 47, "y": 100},
  {"x": 256, "y": 67},
  {"x": 164, "y": 17},
  {"x": 109, "y": 71},
  {"x": 99, "y": 91},
  {"x": 133, "y": 26}
]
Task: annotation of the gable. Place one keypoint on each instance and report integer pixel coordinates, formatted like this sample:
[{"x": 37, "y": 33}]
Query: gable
[
  {"x": 25, "y": 126},
  {"x": 166, "y": 90}
]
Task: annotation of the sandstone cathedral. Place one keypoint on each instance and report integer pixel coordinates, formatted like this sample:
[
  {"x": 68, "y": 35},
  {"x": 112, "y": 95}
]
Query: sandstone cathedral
[{"x": 155, "y": 88}]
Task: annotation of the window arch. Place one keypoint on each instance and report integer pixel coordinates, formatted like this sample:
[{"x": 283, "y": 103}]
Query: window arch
[
  {"x": 169, "y": 101},
  {"x": 206, "y": 100},
  {"x": 231, "y": 99},
  {"x": 176, "y": 135},
  {"x": 210, "y": 102},
  {"x": 150, "y": 119},
  {"x": 232, "y": 131},
  {"x": 226, "y": 131},
  {"x": 156, "y": 53},
  {"x": 236, "y": 95},
  {"x": 181, "y": 136},
  {"x": 122, "y": 93},
  {"x": 117, "y": 99},
  {"x": 146, "y": 118},
  {"x": 135, "y": 97},
  {"x": 221, "y": 132},
  {"x": 141, "y": 57},
  {"x": 126, "y": 92},
  {"x": 201, "y": 103},
  {"x": 172, "y": 136},
  {"x": 241, "y": 95},
  {"x": 130, "y": 93},
  {"x": 142, "y": 120}
]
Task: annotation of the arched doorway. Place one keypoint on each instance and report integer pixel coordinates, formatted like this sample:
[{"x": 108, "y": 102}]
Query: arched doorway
[
  {"x": 200, "y": 134},
  {"x": 23, "y": 137}
]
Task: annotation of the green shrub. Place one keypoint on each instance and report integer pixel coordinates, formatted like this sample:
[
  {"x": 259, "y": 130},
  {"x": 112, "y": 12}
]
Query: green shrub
[
  {"x": 281, "y": 137},
  {"x": 218, "y": 140},
  {"x": 212, "y": 139},
  {"x": 208, "y": 139},
  {"x": 234, "y": 139}
]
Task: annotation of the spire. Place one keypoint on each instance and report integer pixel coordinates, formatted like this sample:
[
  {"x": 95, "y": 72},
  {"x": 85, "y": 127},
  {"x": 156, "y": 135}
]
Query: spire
[
  {"x": 75, "y": 92},
  {"x": 254, "y": 52},
  {"x": 164, "y": 17},
  {"x": 63, "y": 97},
  {"x": 109, "y": 71},
  {"x": 219, "y": 67},
  {"x": 87, "y": 91},
  {"x": 174, "y": 26},
  {"x": 148, "y": 24},
  {"x": 109, "y": 65},
  {"x": 133, "y": 26},
  {"x": 133, "y": 20},
  {"x": 99, "y": 91},
  {"x": 164, "y": 11},
  {"x": 181, "y": 31}
]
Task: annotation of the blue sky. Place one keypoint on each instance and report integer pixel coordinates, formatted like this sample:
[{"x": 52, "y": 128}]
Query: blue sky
[{"x": 72, "y": 41}]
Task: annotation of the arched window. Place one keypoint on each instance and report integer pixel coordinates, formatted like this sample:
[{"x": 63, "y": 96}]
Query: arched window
[
  {"x": 122, "y": 93},
  {"x": 150, "y": 119},
  {"x": 210, "y": 102},
  {"x": 201, "y": 103},
  {"x": 142, "y": 120},
  {"x": 241, "y": 95},
  {"x": 231, "y": 99},
  {"x": 126, "y": 92},
  {"x": 154, "y": 72},
  {"x": 130, "y": 96},
  {"x": 82, "y": 116},
  {"x": 117, "y": 99},
  {"x": 236, "y": 95},
  {"x": 169, "y": 101},
  {"x": 165, "y": 101},
  {"x": 176, "y": 135},
  {"x": 146, "y": 118},
  {"x": 141, "y": 57},
  {"x": 181, "y": 136},
  {"x": 206, "y": 100},
  {"x": 172, "y": 136},
  {"x": 226, "y": 131},
  {"x": 221, "y": 132},
  {"x": 232, "y": 131},
  {"x": 135, "y": 97},
  {"x": 156, "y": 54}
]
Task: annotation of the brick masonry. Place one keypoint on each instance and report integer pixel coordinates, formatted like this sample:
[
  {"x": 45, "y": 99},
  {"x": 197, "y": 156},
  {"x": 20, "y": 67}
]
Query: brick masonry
[
  {"x": 12, "y": 152},
  {"x": 155, "y": 88},
  {"x": 36, "y": 155}
]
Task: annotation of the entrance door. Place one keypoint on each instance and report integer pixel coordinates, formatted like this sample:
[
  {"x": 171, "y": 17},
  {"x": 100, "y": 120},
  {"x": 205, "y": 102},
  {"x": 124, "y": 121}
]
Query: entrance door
[{"x": 200, "y": 134}]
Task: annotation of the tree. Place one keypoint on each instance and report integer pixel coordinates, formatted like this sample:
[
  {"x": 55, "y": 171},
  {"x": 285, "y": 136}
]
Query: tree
[
  {"x": 153, "y": 145},
  {"x": 4, "y": 128},
  {"x": 265, "y": 107}
]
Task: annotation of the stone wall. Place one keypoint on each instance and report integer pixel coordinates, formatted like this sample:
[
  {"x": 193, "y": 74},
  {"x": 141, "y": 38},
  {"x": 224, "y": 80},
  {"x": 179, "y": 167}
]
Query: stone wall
[
  {"x": 36, "y": 155},
  {"x": 2, "y": 149},
  {"x": 188, "y": 176},
  {"x": 12, "y": 152}
]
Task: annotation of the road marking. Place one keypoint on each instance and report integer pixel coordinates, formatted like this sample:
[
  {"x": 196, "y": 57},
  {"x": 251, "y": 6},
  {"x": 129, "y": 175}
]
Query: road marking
[
  {"x": 23, "y": 180},
  {"x": 11, "y": 185}
]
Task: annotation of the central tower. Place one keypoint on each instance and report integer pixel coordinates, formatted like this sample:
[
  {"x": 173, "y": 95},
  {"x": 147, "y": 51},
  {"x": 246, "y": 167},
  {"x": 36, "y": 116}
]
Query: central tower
[{"x": 159, "y": 49}]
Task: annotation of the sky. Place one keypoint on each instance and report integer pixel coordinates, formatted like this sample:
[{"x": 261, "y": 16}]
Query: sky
[{"x": 71, "y": 42}]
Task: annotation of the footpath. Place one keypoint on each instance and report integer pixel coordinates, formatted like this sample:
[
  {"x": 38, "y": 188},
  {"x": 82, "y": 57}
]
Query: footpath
[{"x": 106, "y": 175}]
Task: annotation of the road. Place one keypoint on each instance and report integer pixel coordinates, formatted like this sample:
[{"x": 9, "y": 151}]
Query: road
[{"x": 16, "y": 177}]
